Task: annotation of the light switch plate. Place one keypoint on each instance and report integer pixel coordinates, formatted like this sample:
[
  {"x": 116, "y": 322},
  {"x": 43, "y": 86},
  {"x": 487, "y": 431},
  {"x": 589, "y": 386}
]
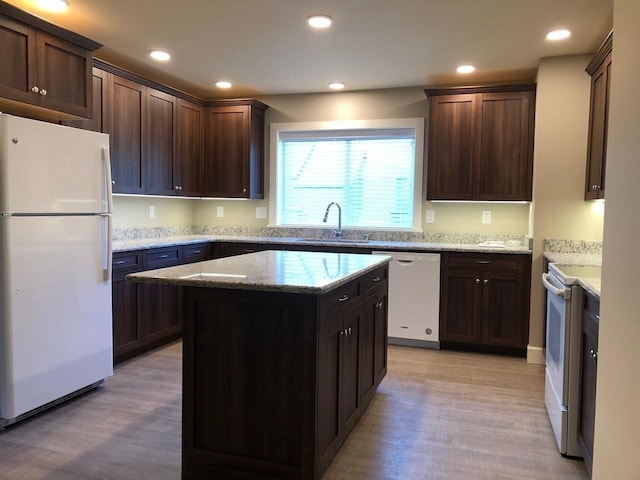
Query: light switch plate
[
  {"x": 430, "y": 216},
  {"x": 261, "y": 212},
  {"x": 486, "y": 216},
  {"x": 220, "y": 212}
]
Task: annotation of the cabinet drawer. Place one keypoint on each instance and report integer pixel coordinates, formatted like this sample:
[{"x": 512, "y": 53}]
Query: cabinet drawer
[
  {"x": 195, "y": 253},
  {"x": 340, "y": 297},
  {"x": 126, "y": 261},
  {"x": 495, "y": 263},
  {"x": 164, "y": 257},
  {"x": 373, "y": 279}
]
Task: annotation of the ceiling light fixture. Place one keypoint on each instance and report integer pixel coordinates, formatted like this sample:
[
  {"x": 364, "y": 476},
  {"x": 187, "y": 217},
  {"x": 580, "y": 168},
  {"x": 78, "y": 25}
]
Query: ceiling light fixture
[
  {"x": 223, "y": 84},
  {"x": 560, "y": 34},
  {"x": 160, "y": 55},
  {"x": 336, "y": 85},
  {"x": 56, "y": 6},
  {"x": 319, "y": 21},
  {"x": 466, "y": 69}
]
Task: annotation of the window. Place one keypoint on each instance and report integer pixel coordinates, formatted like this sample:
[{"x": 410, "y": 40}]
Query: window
[{"x": 372, "y": 169}]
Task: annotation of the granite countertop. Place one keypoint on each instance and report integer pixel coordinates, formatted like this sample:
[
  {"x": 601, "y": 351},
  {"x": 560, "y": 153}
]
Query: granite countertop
[
  {"x": 590, "y": 281},
  {"x": 270, "y": 270},
  {"x": 128, "y": 245}
]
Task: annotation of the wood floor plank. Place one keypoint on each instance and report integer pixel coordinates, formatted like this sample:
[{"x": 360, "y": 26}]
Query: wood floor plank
[{"x": 437, "y": 415}]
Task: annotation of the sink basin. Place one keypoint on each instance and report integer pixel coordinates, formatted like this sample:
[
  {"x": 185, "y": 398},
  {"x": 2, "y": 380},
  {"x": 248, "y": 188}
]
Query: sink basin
[{"x": 330, "y": 240}]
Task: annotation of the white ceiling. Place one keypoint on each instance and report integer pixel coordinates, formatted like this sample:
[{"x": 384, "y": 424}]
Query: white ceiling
[{"x": 265, "y": 46}]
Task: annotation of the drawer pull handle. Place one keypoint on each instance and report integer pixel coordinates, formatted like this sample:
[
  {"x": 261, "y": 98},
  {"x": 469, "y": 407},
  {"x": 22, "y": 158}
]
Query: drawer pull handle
[
  {"x": 376, "y": 279},
  {"x": 343, "y": 298},
  {"x": 483, "y": 262},
  {"x": 119, "y": 262},
  {"x": 196, "y": 252},
  {"x": 162, "y": 257},
  {"x": 404, "y": 326}
]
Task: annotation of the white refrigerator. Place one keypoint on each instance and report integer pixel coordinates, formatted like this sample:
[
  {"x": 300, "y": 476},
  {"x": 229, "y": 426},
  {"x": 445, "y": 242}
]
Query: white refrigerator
[{"x": 55, "y": 264}]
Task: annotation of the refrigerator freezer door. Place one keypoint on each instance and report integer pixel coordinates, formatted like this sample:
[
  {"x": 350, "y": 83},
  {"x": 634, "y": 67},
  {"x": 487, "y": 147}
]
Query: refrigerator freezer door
[
  {"x": 55, "y": 309},
  {"x": 51, "y": 169}
]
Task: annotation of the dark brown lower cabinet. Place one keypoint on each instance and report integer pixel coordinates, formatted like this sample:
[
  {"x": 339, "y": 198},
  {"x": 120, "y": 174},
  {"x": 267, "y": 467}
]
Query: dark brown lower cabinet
[
  {"x": 484, "y": 302},
  {"x": 146, "y": 316},
  {"x": 588, "y": 377},
  {"x": 273, "y": 382}
]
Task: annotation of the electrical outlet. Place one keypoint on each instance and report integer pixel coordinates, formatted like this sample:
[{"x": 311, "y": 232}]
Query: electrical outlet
[
  {"x": 220, "y": 212},
  {"x": 152, "y": 211},
  {"x": 430, "y": 216},
  {"x": 261, "y": 212},
  {"x": 486, "y": 216}
]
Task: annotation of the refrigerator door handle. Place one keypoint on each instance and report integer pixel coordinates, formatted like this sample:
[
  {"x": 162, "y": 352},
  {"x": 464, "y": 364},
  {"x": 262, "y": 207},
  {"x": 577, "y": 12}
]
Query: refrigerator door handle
[
  {"x": 106, "y": 177},
  {"x": 105, "y": 248}
]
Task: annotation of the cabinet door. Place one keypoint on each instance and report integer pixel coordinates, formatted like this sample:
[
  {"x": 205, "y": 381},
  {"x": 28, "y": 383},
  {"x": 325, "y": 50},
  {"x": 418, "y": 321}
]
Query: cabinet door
[
  {"x": 127, "y": 116},
  {"x": 63, "y": 73},
  {"x": 598, "y": 122},
  {"x": 460, "y": 302},
  {"x": 589, "y": 376},
  {"x": 101, "y": 104},
  {"x": 451, "y": 148},
  {"x": 18, "y": 54},
  {"x": 127, "y": 334},
  {"x": 504, "y": 136},
  {"x": 160, "y": 315},
  {"x": 501, "y": 315},
  {"x": 373, "y": 344},
  {"x": 227, "y": 152},
  {"x": 159, "y": 151},
  {"x": 350, "y": 371},
  {"x": 190, "y": 148}
]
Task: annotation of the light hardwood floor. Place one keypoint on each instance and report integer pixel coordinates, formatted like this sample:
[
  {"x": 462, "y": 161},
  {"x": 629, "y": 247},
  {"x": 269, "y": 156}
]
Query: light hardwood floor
[{"x": 437, "y": 415}]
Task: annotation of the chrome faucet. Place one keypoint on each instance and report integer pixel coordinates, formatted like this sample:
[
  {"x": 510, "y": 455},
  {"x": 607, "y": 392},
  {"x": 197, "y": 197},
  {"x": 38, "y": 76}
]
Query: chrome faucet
[{"x": 337, "y": 232}]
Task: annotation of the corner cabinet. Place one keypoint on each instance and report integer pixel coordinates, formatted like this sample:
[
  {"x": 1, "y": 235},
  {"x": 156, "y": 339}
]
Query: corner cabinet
[
  {"x": 234, "y": 149},
  {"x": 46, "y": 70},
  {"x": 481, "y": 143},
  {"x": 484, "y": 303},
  {"x": 600, "y": 70},
  {"x": 588, "y": 377}
]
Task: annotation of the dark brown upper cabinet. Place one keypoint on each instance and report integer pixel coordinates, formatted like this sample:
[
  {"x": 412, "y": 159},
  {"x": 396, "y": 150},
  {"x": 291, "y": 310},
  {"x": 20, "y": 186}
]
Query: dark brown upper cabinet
[
  {"x": 481, "y": 143},
  {"x": 234, "y": 144},
  {"x": 189, "y": 158},
  {"x": 46, "y": 70},
  {"x": 160, "y": 143},
  {"x": 600, "y": 70}
]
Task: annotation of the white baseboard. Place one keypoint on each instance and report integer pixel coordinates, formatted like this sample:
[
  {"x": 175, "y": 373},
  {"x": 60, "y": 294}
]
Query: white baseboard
[{"x": 535, "y": 355}]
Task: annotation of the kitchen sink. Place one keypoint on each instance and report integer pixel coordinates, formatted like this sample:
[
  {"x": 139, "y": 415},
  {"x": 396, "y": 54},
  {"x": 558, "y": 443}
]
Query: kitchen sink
[{"x": 329, "y": 240}]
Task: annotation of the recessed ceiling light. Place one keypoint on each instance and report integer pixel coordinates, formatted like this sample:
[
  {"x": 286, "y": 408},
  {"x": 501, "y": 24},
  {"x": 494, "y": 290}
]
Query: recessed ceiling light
[
  {"x": 559, "y": 34},
  {"x": 336, "y": 85},
  {"x": 466, "y": 69},
  {"x": 160, "y": 55},
  {"x": 223, "y": 84},
  {"x": 319, "y": 21},
  {"x": 56, "y": 6}
]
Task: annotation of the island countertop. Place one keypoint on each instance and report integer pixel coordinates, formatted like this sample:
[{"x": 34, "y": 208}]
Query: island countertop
[{"x": 271, "y": 270}]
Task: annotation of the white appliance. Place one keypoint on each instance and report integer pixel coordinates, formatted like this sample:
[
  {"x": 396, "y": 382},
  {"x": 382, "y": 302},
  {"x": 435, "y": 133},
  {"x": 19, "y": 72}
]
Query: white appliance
[
  {"x": 563, "y": 355},
  {"x": 55, "y": 264},
  {"x": 414, "y": 299}
]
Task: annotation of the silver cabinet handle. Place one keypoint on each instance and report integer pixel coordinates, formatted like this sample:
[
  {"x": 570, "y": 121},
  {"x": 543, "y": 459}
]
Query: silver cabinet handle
[
  {"x": 162, "y": 257},
  {"x": 594, "y": 355},
  {"x": 35, "y": 89},
  {"x": 483, "y": 262},
  {"x": 477, "y": 281},
  {"x": 196, "y": 252},
  {"x": 597, "y": 317},
  {"x": 376, "y": 279},
  {"x": 485, "y": 281},
  {"x": 43, "y": 92},
  {"x": 119, "y": 262},
  {"x": 343, "y": 298}
]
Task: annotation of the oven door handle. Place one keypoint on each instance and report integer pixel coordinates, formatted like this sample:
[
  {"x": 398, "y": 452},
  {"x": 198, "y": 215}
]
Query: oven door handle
[{"x": 560, "y": 292}]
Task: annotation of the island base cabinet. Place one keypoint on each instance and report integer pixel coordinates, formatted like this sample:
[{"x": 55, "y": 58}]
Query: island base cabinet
[{"x": 273, "y": 381}]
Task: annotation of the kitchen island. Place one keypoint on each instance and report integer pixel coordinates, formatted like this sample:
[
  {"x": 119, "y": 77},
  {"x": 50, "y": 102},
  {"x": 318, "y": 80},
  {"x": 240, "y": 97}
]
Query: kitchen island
[{"x": 282, "y": 352}]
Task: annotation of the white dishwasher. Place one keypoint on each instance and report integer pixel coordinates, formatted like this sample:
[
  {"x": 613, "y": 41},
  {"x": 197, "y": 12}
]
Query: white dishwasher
[{"x": 414, "y": 298}]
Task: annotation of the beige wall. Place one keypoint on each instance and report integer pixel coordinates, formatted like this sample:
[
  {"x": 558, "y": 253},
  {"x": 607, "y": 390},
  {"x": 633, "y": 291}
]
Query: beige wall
[
  {"x": 618, "y": 389},
  {"x": 134, "y": 212},
  {"x": 559, "y": 209}
]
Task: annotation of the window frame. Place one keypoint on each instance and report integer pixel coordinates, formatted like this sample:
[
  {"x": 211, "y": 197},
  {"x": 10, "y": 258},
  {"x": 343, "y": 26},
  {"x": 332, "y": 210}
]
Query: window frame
[{"x": 417, "y": 124}]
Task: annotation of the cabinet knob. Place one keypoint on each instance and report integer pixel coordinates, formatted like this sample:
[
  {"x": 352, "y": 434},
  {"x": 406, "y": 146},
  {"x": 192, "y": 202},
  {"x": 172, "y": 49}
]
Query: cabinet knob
[
  {"x": 477, "y": 281},
  {"x": 244, "y": 190},
  {"x": 35, "y": 89},
  {"x": 593, "y": 354},
  {"x": 343, "y": 332},
  {"x": 43, "y": 92},
  {"x": 348, "y": 331},
  {"x": 485, "y": 281},
  {"x": 379, "y": 304}
]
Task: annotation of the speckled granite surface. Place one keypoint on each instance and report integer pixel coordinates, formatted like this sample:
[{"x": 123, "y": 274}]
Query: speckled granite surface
[
  {"x": 138, "y": 239},
  {"x": 281, "y": 271},
  {"x": 577, "y": 252}
]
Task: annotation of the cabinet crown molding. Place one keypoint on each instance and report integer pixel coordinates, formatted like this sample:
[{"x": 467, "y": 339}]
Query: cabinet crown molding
[{"x": 514, "y": 87}]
